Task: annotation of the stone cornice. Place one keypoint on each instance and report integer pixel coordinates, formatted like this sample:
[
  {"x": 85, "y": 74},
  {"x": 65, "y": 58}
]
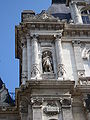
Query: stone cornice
[
  {"x": 83, "y": 88},
  {"x": 69, "y": 30},
  {"x": 48, "y": 84}
]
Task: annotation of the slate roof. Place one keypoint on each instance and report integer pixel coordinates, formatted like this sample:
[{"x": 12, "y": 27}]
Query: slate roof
[
  {"x": 60, "y": 10},
  {"x": 5, "y": 99},
  {"x": 1, "y": 83},
  {"x": 59, "y": 1}
]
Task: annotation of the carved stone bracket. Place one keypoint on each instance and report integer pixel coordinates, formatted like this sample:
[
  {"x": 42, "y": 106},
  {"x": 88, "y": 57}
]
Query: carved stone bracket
[
  {"x": 36, "y": 101},
  {"x": 66, "y": 102}
]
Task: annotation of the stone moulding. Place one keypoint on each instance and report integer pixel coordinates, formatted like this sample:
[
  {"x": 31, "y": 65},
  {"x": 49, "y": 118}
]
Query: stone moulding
[
  {"x": 84, "y": 81},
  {"x": 51, "y": 84}
]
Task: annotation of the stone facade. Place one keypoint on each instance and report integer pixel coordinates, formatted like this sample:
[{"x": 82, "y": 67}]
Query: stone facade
[{"x": 54, "y": 55}]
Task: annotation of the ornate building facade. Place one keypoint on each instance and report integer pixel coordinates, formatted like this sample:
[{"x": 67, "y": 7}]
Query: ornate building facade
[{"x": 53, "y": 49}]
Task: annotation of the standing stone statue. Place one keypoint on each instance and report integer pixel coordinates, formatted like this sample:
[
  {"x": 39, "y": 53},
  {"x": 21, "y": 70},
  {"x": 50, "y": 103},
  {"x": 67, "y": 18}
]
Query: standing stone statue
[{"x": 47, "y": 63}]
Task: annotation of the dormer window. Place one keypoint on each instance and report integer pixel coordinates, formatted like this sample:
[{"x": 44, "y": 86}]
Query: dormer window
[{"x": 86, "y": 16}]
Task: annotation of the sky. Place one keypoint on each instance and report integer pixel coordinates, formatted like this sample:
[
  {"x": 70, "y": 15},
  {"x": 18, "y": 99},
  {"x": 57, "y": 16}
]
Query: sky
[{"x": 10, "y": 15}]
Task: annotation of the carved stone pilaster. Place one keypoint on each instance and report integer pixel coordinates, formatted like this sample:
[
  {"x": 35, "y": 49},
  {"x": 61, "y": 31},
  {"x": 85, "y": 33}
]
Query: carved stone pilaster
[
  {"x": 23, "y": 109},
  {"x": 28, "y": 38},
  {"x": 35, "y": 70},
  {"x": 59, "y": 55},
  {"x": 24, "y": 60},
  {"x": 78, "y": 58},
  {"x": 67, "y": 108},
  {"x": 37, "y": 108}
]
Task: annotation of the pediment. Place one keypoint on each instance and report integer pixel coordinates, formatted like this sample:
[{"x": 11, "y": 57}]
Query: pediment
[{"x": 42, "y": 17}]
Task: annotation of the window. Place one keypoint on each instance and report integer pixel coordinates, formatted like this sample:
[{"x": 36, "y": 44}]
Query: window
[{"x": 86, "y": 16}]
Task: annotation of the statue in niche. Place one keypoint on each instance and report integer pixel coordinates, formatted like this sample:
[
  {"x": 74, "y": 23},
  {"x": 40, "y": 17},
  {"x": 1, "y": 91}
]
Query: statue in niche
[
  {"x": 47, "y": 63},
  {"x": 86, "y": 53}
]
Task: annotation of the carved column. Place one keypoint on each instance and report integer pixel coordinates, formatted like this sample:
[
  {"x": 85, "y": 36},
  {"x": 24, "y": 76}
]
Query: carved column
[
  {"x": 35, "y": 72},
  {"x": 28, "y": 56},
  {"x": 30, "y": 113},
  {"x": 59, "y": 55},
  {"x": 23, "y": 110},
  {"x": 24, "y": 61},
  {"x": 78, "y": 58},
  {"x": 67, "y": 109},
  {"x": 76, "y": 16}
]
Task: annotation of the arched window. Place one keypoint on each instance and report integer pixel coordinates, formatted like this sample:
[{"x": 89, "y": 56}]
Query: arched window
[
  {"x": 47, "y": 61},
  {"x": 85, "y": 16}
]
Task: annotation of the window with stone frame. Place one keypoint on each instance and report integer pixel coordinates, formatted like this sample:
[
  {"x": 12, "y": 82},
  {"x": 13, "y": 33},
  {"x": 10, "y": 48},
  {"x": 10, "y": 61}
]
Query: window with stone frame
[{"x": 85, "y": 16}]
